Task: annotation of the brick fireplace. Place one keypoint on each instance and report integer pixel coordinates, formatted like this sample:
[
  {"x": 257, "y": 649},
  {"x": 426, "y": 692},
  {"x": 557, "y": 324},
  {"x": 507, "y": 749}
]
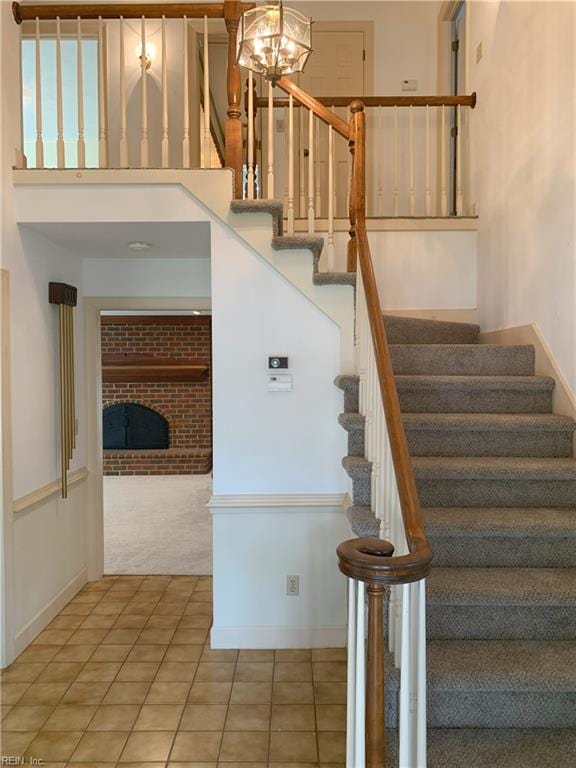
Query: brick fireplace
[{"x": 143, "y": 402}]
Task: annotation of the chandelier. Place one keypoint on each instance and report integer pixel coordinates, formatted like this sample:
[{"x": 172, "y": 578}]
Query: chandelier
[{"x": 274, "y": 41}]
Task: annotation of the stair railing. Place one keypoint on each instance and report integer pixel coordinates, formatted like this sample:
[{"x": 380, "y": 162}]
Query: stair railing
[
  {"x": 420, "y": 163},
  {"x": 145, "y": 114},
  {"x": 399, "y": 561}
]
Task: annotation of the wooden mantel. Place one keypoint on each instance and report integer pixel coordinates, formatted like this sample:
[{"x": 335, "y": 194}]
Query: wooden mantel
[{"x": 134, "y": 368}]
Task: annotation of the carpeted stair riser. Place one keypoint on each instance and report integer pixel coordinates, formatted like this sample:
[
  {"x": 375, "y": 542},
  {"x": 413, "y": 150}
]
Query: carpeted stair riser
[
  {"x": 502, "y": 538},
  {"x": 475, "y": 394},
  {"x": 408, "y": 330},
  {"x": 463, "y": 360},
  {"x": 496, "y": 748},
  {"x": 350, "y": 387},
  {"x": 495, "y": 684},
  {"x": 363, "y": 522},
  {"x": 360, "y": 472},
  {"x": 354, "y": 424},
  {"x": 469, "y": 435},
  {"x": 496, "y": 493},
  {"x": 490, "y": 435}
]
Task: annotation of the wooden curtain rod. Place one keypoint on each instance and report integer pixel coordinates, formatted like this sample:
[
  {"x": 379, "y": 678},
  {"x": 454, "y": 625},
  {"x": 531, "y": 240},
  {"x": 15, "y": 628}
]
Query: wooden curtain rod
[
  {"x": 126, "y": 10},
  {"x": 382, "y": 101}
]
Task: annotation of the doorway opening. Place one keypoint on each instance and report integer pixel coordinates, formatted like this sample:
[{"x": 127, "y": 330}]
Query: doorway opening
[{"x": 156, "y": 417}]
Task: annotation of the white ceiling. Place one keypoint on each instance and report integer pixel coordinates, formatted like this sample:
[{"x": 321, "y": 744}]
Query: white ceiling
[{"x": 109, "y": 240}]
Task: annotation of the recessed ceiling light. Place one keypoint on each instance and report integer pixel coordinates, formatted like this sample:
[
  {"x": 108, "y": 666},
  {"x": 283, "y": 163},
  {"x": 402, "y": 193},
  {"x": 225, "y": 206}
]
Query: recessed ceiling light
[
  {"x": 138, "y": 245},
  {"x": 195, "y": 312}
]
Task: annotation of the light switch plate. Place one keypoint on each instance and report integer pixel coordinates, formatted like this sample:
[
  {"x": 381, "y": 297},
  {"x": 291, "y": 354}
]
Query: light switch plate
[
  {"x": 409, "y": 85},
  {"x": 279, "y": 382}
]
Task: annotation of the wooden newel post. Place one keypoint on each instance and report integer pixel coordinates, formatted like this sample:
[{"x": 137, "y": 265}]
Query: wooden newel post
[
  {"x": 357, "y": 181},
  {"x": 233, "y": 128},
  {"x": 363, "y": 560}
]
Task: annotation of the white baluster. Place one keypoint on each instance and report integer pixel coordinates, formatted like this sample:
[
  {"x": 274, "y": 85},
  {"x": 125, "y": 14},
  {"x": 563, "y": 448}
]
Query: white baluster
[
  {"x": 406, "y": 674},
  {"x": 428, "y": 192},
  {"x": 165, "y": 139},
  {"x": 270, "y": 184},
  {"x": 421, "y": 705},
  {"x": 286, "y": 120},
  {"x": 459, "y": 162},
  {"x": 60, "y": 150},
  {"x": 123, "y": 117},
  {"x": 185, "y": 97},
  {"x": 444, "y": 188},
  {"x": 318, "y": 175},
  {"x": 81, "y": 144},
  {"x": 301, "y": 164},
  {"x": 207, "y": 142},
  {"x": 310, "y": 171},
  {"x": 360, "y": 705},
  {"x": 380, "y": 145},
  {"x": 250, "y": 135},
  {"x": 102, "y": 112},
  {"x": 39, "y": 140},
  {"x": 351, "y": 675},
  {"x": 144, "y": 102},
  {"x": 291, "y": 165},
  {"x": 330, "y": 249},
  {"x": 396, "y": 166},
  {"x": 412, "y": 199}
]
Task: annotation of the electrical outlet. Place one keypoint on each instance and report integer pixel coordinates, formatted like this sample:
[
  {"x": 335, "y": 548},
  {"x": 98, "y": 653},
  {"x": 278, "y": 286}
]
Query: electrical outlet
[{"x": 292, "y": 585}]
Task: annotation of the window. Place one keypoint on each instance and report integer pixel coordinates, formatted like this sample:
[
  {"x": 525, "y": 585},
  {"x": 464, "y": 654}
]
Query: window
[{"x": 69, "y": 49}]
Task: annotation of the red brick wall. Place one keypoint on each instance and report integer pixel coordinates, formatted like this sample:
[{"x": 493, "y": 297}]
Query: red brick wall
[{"x": 186, "y": 405}]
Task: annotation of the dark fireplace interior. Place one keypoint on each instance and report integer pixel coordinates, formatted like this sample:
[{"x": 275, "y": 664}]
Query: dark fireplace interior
[{"x": 134, "y": 427}]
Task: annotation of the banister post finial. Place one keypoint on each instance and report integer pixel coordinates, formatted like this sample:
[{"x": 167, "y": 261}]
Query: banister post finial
[
  {"x": 357, "y": 106},
  {"x": 16, "y": 13}
]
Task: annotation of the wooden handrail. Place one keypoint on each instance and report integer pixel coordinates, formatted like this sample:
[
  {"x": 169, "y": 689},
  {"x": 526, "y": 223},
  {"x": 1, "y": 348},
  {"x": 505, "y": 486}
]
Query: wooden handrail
[
  {"x": 316, "y": 106},
  {"x": 126, "y": 10},
  {"x": 416, "y": 564},
  {"x": 384, "y": 101}
]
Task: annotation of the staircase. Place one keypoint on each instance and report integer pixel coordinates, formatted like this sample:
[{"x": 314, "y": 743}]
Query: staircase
[{"x": 496, "y": 477}]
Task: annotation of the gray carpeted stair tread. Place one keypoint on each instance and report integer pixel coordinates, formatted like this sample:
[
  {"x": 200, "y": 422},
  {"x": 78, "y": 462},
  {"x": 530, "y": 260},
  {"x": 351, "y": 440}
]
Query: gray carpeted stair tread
[
  {"x": 352, "y": 421},
  {"x": 500, "y": 747},
  {"x": 502, "y": 586},
  {"x": 359, "y": 470},
  {"x": 274, "y": 207},
  {"x": 472, "y": 468},
  {"x": 489, "y": 422},
  {"x": 334, "y": 278},
  {"x": 463, "y": 359},
  {"x": 299, "y": 242},
  {"x": 363, "y": 522},
  {"x": 475, "y": 394},
  {"x": 357, "y": 466},
  {"x": 410, "y": 330}
]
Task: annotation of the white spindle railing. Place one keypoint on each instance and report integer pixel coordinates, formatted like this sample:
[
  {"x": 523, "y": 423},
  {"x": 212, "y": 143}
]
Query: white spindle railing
[
  {"x": 185, "y": 96},
  {"x": 406, "y": 624},
  {"x": 165, "y": 132},
  {"x": 270, "y": 184},
  {"x": 81, "y": 143},
  {"x": 102, "y": 117},
  {"x": 144, "y": 96},
  {"x": 38, "y": 75},
  {"x": 251, "y": 142},
  {"x": 60, "y": 150},
  {"x": 291, "y": 213},
  {"x": 311, "y": 188}
]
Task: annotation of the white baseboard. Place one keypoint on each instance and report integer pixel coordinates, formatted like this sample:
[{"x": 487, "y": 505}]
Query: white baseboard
[
  {"x": 27, "y": 634},
  {"x": 278, "y": 637}
]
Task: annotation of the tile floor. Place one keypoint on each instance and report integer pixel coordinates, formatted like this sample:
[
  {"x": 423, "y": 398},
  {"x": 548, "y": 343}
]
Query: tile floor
[{"x": 124, "y": 676}]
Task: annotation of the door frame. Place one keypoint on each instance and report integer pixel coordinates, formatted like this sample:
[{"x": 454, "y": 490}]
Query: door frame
[{"x": 93, "y": 306}]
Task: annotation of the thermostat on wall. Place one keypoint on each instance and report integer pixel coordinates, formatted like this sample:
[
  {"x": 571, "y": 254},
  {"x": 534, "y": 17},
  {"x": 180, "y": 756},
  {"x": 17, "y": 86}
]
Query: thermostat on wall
[
  {"x": 277, "y": 362},
  {"x": 279, "y": 382}
]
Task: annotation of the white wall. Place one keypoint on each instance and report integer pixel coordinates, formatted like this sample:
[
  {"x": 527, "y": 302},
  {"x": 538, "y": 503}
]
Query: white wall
[
  {"x": 147, "y": 277},
  {"x": 526, "y": 154},
  {"x": 419, "y": 269},
  {"x": 47, "y": 541}
]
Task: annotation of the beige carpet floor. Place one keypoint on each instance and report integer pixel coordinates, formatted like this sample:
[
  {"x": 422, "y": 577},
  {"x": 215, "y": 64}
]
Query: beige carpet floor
[{"x": 157, "y": 525}]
